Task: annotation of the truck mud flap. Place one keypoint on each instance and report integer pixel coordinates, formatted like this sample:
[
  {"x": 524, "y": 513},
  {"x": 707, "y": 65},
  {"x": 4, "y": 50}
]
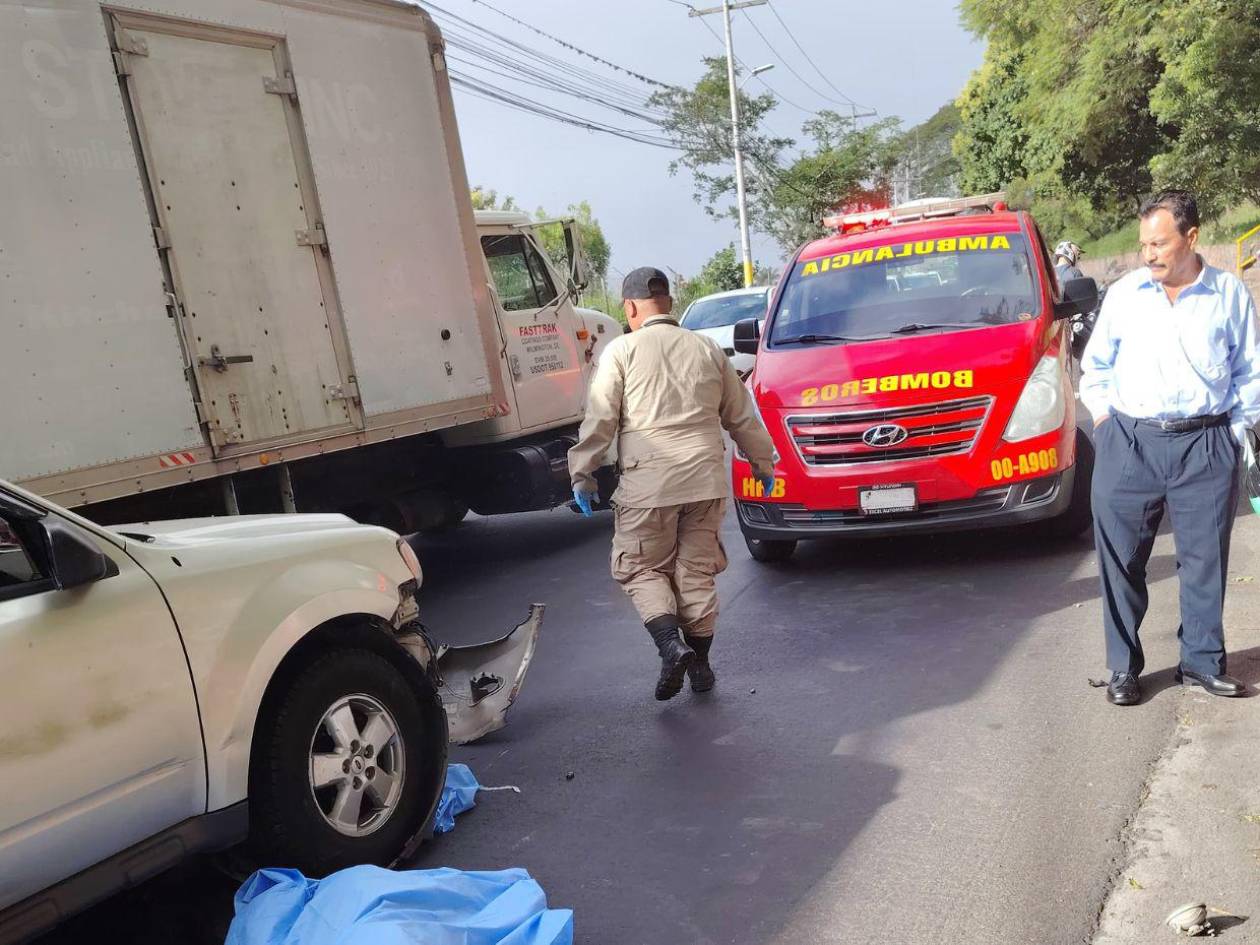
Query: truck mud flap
[{"x": 480, "y": 682}]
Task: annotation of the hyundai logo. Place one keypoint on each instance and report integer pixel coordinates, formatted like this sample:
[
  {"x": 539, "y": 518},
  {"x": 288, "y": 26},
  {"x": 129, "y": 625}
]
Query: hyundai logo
[{"x": 886, "y": 434}]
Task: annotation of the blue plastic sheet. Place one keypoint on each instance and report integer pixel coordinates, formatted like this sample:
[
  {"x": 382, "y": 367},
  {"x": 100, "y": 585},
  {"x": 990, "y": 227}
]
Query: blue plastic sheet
[
  {"x": 458, "y": 795},
  {"x": 366, "y": 905}
]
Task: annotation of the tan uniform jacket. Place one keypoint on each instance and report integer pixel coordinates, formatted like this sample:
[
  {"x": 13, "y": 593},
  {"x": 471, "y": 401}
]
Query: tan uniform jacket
[{"x": 664, "y": 394}]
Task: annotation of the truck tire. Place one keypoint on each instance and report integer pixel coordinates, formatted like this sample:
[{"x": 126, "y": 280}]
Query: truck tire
[
  {"x": 338, "y": 766},
  {"x": 1079, "y": 515},
  {"x": 769, "y": 551}
]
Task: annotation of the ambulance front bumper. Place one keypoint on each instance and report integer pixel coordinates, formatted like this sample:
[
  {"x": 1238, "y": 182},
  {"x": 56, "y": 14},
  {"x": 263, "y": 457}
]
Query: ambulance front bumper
[{"x": 1019, "y": 503}]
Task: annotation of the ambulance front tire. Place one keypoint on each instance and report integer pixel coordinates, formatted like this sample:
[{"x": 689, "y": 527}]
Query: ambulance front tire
[
  {"x": 769, "y": 551},
  {"x": 1079, "y": 515}
]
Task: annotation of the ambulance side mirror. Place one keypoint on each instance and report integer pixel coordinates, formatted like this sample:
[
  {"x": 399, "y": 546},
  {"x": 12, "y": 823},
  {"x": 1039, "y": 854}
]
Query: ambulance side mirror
[
  {"x": 747, "y": 336},
  {"x": 1080, "y": 296}
]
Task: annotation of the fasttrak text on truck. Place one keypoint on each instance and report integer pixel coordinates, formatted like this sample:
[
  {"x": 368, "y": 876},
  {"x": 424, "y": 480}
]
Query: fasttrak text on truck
[
  {"x": 914, "y": 376},
  {"x": 240, "y": 271}
]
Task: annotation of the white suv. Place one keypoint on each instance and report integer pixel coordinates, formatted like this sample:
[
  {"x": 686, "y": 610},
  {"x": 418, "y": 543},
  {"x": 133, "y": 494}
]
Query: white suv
[{"x": 184, "y": 686}]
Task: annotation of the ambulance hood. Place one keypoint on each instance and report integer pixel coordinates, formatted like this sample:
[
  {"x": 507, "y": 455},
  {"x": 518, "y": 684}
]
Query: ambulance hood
[{"x": 927, "y": 367}]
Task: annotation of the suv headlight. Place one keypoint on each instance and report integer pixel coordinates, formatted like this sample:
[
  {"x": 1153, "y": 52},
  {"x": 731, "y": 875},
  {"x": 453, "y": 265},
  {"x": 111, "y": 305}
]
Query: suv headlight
[
  {"x": 412, "y": 562},
  {"x": 1042, "y": 406}
]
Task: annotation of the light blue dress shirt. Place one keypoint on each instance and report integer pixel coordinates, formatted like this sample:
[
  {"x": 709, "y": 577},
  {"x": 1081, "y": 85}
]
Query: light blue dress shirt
[{"x": 1157, "y": 360}]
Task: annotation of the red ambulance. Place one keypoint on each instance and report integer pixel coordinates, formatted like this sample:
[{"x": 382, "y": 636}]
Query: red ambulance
[{"x": 914, "y": 374}]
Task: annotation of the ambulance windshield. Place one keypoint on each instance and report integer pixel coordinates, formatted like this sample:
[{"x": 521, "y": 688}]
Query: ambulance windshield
[{"x": 944, "y": 284}]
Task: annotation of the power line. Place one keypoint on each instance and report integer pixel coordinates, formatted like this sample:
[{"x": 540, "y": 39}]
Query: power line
[
  {"x": 788, "y": 63},
  {"x": 576, "y": 49},
  {"x": 764, "y": 83},
  {"x": 792, "y": 36},
  {"x": 551, "y": 87},
  {"x": 505, "y": 97},
  {"x": 542, "y": 58}
]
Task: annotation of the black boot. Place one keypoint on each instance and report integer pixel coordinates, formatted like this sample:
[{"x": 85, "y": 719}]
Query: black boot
[
  {"x": 676, "y": 656},
  {"x": 700, "y": 672}
]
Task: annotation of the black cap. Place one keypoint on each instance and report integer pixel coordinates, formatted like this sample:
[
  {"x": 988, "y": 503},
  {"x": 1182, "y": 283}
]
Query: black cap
[{"x": 645, "y": 283}]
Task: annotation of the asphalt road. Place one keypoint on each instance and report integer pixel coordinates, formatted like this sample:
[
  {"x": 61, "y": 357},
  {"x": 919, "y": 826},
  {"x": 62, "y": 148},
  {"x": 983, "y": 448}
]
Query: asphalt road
[{"x": 902, "y": 747}]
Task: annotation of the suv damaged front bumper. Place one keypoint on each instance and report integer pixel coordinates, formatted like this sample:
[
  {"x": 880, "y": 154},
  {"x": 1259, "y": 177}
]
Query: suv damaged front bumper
[{"x": 478, "y": 682}]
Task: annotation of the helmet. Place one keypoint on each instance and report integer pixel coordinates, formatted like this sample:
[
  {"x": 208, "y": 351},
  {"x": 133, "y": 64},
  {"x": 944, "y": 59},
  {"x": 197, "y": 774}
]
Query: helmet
[{"x": 1069, "y": 251}]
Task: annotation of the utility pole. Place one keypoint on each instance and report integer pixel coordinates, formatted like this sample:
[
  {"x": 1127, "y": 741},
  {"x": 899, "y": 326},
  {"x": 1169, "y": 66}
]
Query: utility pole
[{"x": 741, "y": 197}]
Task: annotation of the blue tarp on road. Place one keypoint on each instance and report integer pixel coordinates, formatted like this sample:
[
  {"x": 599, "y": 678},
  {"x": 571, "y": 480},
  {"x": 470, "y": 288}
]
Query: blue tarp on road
[
  {"x": 366, "y": 905},
  {"x": 459, "y": 795}
]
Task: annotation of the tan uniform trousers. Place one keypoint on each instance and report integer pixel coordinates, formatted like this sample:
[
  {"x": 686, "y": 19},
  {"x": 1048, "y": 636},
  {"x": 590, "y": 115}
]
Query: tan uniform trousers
[{"x": 667, "y": 560}]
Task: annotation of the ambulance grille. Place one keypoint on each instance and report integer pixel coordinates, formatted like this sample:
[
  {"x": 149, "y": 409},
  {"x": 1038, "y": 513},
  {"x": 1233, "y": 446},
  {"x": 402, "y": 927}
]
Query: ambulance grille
[{"x": 939, "y": 429}]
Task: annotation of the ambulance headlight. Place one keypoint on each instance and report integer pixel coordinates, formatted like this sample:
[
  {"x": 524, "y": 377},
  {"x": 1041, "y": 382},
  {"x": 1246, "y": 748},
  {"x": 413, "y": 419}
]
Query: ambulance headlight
[{"x": 1041, "y": 406}]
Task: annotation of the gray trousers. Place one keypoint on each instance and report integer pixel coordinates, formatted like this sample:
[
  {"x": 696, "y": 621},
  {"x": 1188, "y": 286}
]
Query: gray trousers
[{"x": 1139, "y": 471}]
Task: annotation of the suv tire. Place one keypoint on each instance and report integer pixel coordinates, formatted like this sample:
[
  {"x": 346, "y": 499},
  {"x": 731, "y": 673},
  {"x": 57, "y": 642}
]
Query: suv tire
[{"x": 363, "y": 697}]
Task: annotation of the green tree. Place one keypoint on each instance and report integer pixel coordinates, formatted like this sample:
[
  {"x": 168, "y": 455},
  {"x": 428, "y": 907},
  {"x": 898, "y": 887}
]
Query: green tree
[
  {"x": 788, "y": 194},
  {"x": 1095, "y": 104},
  {"x": 699, "y": 122},
  {"x": 927, "y": 165},
  {"x": 992, "y": 142},
  {"x": 846, "y": 161},
  {"x": 1207, "y": 92},
  {"x": 485, "y": 199},
  {"x": 595, "y": 245},
  {"x": 721, "y": 273}
]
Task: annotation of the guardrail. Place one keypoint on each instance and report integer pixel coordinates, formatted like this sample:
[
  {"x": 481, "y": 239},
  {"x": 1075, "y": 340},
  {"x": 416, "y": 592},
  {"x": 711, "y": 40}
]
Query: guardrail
[{"x": 1247, "y": 255}]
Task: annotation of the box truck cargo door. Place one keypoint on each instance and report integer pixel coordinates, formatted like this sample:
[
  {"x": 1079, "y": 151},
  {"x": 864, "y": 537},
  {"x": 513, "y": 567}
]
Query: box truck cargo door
[
  {"x": 218, "y": 135},
  {"x": 540, "y": 332}
]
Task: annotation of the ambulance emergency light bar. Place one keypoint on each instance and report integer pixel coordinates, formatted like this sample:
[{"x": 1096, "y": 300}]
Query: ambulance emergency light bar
[{"x": 927, "y": 209}]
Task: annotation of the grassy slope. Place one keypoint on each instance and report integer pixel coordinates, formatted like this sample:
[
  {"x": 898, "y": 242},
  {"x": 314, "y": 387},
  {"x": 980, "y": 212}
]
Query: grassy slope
[{"x": 1225, "y": 229}]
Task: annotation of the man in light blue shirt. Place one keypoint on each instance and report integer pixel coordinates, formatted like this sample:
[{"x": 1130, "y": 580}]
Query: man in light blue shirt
[{"x": 1171, "y": 376}]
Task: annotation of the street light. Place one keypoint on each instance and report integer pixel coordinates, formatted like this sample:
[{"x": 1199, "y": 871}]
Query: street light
[{"x": 758, "y": 71}]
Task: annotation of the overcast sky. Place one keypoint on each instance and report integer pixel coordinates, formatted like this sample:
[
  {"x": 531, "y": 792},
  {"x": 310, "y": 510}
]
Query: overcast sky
[{"x": 904, "y": 58}]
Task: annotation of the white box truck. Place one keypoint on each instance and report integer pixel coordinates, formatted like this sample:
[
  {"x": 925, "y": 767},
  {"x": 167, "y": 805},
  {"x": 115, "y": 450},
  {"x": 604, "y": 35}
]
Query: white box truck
[{"x": 240, "y": 271}]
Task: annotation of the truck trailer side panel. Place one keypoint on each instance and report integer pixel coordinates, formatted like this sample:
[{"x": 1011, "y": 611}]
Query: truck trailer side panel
[
  {"x": 383, "y": 249},
  {"x": 91, "y": 371}
]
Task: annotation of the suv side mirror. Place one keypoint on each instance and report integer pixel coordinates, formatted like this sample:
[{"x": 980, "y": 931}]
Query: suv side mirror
[
  {"x": 75, "y": 559},
  {"x": 747, "y": 336},
  {"x": 1080, "y": 296}
]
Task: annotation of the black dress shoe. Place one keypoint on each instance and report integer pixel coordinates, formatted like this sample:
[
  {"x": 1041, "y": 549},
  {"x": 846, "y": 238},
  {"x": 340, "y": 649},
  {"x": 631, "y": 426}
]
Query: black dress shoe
[
  {"x": 1221, "y": 685},
  {"x": 1124, "y": 689}
]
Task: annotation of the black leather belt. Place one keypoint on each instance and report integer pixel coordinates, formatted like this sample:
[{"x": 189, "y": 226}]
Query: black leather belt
[{"x": 1187, "y": 424}]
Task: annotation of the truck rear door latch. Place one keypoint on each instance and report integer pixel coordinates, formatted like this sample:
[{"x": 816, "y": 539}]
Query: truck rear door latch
[{"x": 220, "y": 362}]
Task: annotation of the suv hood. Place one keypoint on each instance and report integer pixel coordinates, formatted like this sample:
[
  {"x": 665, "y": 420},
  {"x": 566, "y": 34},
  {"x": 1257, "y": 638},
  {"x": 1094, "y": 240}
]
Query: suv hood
[
  {"x": 941, "y": 365},
  {"x": 199, "y": 531}
]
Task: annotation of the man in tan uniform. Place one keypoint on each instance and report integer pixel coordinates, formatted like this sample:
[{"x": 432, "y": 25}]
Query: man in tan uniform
[{"x": 663, "y": 394}]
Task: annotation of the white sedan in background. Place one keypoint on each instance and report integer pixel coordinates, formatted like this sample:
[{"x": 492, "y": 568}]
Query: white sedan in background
[{"x": 716, "y": 315}]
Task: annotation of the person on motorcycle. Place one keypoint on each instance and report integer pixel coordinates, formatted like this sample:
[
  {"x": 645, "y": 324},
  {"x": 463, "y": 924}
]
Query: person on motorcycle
[{"x": 1066, "y": 256}]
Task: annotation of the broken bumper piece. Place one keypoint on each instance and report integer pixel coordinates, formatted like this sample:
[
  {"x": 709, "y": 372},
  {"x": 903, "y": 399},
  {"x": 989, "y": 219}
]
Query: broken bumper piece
[{"x": 478, "y": 683}]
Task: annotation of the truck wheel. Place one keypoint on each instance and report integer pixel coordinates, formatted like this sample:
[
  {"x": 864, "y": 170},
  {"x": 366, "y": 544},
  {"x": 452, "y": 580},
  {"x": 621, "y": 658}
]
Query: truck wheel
[
  {"x": 340, "y": 769},
  {"x": 769, "y": 551},
  {"x": 1079, "y": 514}
]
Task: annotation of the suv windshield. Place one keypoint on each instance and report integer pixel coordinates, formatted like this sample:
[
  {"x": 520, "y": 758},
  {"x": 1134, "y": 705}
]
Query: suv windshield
[
  {"x": 950, "y": 283},
  {"x": 721, "y": 311}
]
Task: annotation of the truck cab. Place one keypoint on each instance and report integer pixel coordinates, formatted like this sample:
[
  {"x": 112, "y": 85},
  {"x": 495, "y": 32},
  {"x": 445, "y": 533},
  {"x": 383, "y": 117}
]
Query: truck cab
[
  {"x": 548, "y": 348},
  {"x": 913, "y": 373}
]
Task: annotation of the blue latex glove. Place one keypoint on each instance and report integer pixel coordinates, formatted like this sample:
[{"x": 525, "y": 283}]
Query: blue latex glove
[
  {"x": 584, "y": 499},
  {"x": 767, "y": 485}
]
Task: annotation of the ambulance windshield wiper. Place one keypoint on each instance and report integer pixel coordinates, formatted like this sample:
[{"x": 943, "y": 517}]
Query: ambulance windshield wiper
[
  {"x": 928, "y": 326},
  {"x": 812, "y": 339}
]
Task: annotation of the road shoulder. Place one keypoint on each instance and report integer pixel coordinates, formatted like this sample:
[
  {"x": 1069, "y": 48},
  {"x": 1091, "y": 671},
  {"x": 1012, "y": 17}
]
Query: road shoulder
[{"x": 1196, "y": 834}]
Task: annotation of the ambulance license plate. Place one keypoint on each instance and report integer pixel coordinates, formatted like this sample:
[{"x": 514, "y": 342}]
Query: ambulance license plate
[{"x": 884, "y": 500}]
